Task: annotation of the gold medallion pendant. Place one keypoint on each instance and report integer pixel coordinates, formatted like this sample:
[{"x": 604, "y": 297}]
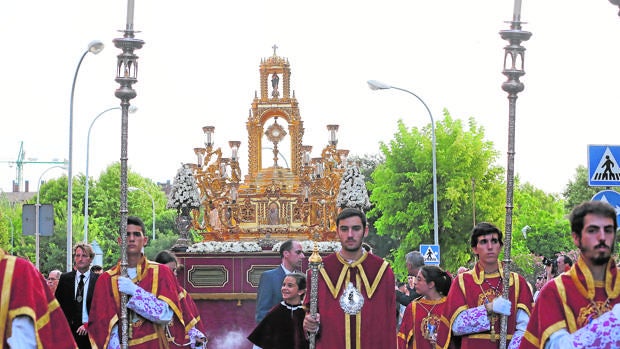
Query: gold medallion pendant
[{"x": 429, "y": 327}]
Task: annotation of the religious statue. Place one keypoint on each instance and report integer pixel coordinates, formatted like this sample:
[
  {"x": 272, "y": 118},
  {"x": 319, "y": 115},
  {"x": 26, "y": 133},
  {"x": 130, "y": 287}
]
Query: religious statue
[
  {"x": 273, "y": 216},
  {"x": 275, "y": 80}
]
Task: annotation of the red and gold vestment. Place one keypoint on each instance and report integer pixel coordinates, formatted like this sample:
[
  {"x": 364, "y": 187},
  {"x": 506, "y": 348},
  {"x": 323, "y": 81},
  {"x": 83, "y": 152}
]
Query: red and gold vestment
[{"x": 375, "y": 324}]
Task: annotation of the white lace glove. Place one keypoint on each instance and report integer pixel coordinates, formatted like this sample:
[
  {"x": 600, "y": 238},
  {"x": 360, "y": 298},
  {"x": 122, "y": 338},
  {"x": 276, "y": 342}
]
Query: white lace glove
[
  {"x": 501, "y": 306},
  {"x": 126, "y": 286}
]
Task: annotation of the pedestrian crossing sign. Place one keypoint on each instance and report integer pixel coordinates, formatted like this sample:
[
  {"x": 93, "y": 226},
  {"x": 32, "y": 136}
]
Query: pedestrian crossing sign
[
  {"x": 430, "y": 254},
  {"x": 611, "y": 197},
  {"x": 603, "y": 167}
]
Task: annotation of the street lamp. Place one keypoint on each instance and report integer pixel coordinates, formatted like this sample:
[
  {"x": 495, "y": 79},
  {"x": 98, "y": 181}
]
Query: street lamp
[
  {"x": 36, "y": 212},
  {"x": 132, "y": 109},
  {"x": 152, "y": 202},
  {"x": 377, "y": 85},
  {"x": 94, "y": 47}
]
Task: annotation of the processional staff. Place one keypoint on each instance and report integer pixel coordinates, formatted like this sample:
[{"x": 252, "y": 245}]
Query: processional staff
[
  {"x": 126, "y": 76},
  {"x": 513, "y": 70},
  {"x": 315, "y": 262}
]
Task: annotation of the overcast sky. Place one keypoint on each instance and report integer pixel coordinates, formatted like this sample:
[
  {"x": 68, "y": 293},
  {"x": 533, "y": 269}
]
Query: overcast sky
[{"x": 199, "y": 66}]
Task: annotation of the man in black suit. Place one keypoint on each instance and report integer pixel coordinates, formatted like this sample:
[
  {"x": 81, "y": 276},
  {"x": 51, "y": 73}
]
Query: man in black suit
[{"x": 75, "y": 293}]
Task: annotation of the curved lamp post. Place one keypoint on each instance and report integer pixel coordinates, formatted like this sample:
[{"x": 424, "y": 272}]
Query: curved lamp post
[
  {"x": 94, "y": 47},
  {"x": 152, "y": 202},
  {"x": 132, "y": 109},
  {"x": 377, "y": 85},
  {"x": 36, "y": 212}
]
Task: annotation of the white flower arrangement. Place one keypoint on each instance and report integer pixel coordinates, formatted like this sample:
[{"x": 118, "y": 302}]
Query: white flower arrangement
[
  {"x": 222, "y": 247},
  {"x": 353, "y": 191},
  {"x": 184, "y": 193},
  {"x": 308, "y": 246}
]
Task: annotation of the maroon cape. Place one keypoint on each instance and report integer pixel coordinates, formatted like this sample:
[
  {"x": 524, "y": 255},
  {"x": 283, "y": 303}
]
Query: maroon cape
[
  {"x": 105, "y": 310},
  {"x": 375, "y": 325},
  {"x": 563, "y": 303},
  {"x": 470, "y": 290},
  {"x": 25, "y": 293}
]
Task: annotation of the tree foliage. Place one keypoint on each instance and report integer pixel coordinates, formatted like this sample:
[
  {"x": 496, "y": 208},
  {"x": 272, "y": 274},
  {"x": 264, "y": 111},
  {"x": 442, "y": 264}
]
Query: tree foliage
[
  {"x": 103, "y": 223},
  {"x": 469, "y": 188},
  {"x": 577, "y": 190}
]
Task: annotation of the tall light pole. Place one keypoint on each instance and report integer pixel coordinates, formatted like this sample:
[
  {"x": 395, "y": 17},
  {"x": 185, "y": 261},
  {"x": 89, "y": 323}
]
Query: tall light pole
[
  {"x": 36, "y": 212},
  {"x": 152, "y": 203},
  {"x": 94, "y": 47},
  {"x": 132, "y": 109},
  {"x": 377, "y": 85}
]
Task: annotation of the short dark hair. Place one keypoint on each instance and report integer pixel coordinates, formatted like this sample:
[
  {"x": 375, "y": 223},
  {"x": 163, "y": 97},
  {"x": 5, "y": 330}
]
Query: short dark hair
[
  {"x": 165, "y": 256},
  {"x": 482, "y": 229},
  {"x": 286, "y": 246},
  {"x": 567, "y": 260},
  {"x": 136, "y": 221},
  {"x": 300, "y": 280},
  {"x": 96, "y": 268},
  {"x": 599, "y": 208},
  {"x": 351, "y": 212}
]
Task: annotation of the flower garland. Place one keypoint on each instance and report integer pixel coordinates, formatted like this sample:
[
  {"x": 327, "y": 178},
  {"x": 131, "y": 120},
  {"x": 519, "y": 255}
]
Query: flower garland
[
  {"x": 308, "y": 246},
  {"x": 230, "y": 246},
  {"x": 223, "y": 247}
]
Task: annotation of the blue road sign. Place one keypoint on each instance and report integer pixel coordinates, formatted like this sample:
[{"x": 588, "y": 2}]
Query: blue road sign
[
  {"x": 431, "y": 254},
  {"x": 611, "y": 197},
  {"x": 603, "y": 167}
]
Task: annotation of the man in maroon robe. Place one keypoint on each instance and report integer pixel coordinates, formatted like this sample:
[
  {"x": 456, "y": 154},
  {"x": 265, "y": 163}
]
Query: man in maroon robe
[
  {"x": 476, "y": 302},
  {"x": 581, "y": 308},
  {"x": 356, "y": 302},
  {"x": 154, "y": 307},
  {"x": 30, "y": 316}
]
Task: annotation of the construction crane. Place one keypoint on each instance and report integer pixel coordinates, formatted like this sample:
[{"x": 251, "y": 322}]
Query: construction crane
[{"x": 19, "y": 166}]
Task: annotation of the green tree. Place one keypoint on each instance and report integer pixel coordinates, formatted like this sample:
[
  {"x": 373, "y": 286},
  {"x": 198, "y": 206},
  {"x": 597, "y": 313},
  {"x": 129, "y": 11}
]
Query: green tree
[
  {"x": 538, "y": 227},
  {"x": 577, "y": 190},
  {"x": 104, "y": 206},
  {"x": 52, "y": 249},
  {"x": 469, "y": 188},
  {"x": 10, "y": 223}
]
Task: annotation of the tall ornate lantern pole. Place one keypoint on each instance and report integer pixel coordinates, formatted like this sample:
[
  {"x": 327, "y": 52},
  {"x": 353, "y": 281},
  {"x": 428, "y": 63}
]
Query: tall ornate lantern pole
[
  {"x": 126, "y": 76},
  {"x": 513, "y": 69}
]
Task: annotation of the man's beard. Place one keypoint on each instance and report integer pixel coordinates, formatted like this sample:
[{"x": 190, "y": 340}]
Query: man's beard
[
  {"x": 598, "y": 259},
  {"x": 352, "y": 249}
]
